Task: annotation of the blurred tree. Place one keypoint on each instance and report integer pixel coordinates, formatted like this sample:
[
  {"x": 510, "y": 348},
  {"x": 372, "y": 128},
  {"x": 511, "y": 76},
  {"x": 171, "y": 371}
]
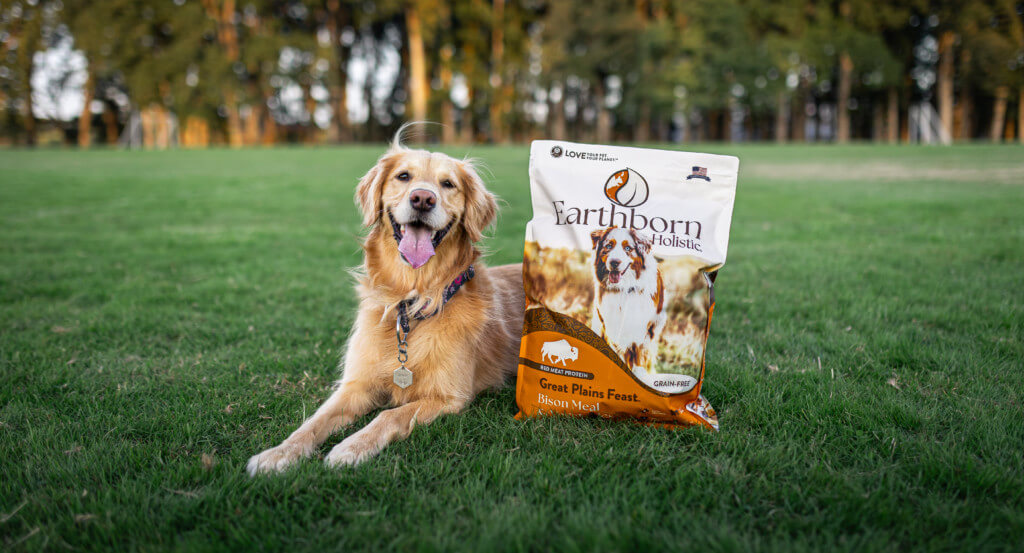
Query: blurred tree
[
  {"x": 340, "y": 21},
  {"x": 554, "y": 64},
  {"x": 471, "y": 59},
  {"x": 727, "y": 64},
  {"x": 423, "y": 19},
  {"x": 225, "y": 16},
  {"x": 997, "y": 59},
  {"x": 654, "y": 85},
  {"x": 22, "y": 34},
  {"x": 986, "y": 37},
  {"x": 263, "y": 70},
  {"x": 87, "y": 27},
  {"x": 855, "y": 28},
  {"x": 593, "y": 42}
]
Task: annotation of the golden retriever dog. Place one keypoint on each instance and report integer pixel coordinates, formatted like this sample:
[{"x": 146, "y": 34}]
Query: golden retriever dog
[{"x": 425, "y": 212}]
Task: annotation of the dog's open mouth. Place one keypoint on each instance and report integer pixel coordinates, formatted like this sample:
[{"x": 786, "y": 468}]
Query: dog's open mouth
[
  {"x": 417, "y": 241},
  {"x": 614, "y": 276}
]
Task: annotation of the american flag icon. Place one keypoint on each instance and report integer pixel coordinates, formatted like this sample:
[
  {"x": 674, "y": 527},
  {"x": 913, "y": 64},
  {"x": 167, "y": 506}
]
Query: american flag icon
[{"x": 699, "y": 173}]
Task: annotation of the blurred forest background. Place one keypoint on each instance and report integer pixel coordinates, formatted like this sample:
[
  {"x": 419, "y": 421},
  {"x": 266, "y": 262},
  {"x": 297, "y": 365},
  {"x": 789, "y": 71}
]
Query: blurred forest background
[{"x": 194, "y": 73}]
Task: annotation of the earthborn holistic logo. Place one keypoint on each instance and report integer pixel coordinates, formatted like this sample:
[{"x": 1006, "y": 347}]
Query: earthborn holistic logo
[
  {"x": 626, "y": 188},
  {"x": 556, "y": 151},
  {"x": 699, "y": 173}
]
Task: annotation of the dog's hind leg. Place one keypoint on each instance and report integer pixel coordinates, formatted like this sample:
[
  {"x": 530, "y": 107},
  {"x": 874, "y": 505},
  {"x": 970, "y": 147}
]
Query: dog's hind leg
[
  {"x": 389, "y": 426},
  {"x": 351, "y": 400}
]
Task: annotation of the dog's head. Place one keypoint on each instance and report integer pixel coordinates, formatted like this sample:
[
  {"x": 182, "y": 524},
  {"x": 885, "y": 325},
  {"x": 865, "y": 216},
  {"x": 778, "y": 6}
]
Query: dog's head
[
  {"x": 424, "y": 200},
  {"x": 620, "y": 257}
]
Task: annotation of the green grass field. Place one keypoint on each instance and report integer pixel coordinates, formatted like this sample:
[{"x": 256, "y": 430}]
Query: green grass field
[{"x": 166, "y": 315}]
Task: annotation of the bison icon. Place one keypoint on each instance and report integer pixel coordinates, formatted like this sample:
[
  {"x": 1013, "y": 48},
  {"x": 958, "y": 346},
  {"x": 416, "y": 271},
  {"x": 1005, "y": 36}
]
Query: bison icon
[{"x": 558, "y": 352}]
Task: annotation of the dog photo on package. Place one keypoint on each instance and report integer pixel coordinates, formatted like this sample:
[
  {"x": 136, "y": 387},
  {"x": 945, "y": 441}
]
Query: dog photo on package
[{"x": 618, "y": 268}]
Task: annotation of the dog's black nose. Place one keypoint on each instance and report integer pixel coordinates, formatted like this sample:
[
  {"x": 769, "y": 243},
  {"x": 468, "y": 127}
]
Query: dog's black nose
[
  {"x": 422, "y": 200},
  {"x": 614, "y": 264}
]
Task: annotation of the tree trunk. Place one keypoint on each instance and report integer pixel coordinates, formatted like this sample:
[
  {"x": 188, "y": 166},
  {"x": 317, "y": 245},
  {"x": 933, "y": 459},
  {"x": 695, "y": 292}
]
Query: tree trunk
[
  {"x": 234, "y": 120},
  {"x": 905, "y": 98},
  {"x": 877, "y": 121},
  {"x": 1020, "y": 116},
  {"x": 999, "y": 114},
  {"x": 467, "y": 127},
  {"x": 727, "y": 122},
  {"x": 370, "y": 127},
  {"x": 191, "y": 133},
  {"x": 252, "y": 125},
  {"x": 892, "y": 118},
  {"x": 163, "y": 127},
  {"x": 310, "y": 133},
  {"x": 196, "y": 133},
  {"x": 962, "y": 111},
  {"x": 965, "y": 109},
  {"x": 341, "y": 126},
  {"x": 642, "y": 130},
  {"x": 227, "y": 37},
  {"x": 164, "y": 138},
  {"x": 497, "y": 61},
  {"x": 148, "y": 127},
  {"x": 110, "y": 122},
  {"x": 85, "y": 118},
  {"x": 694, "y": 127},
  {"x": 418, "y": 86},
  {"x": 843, "y": 101},
  {"x": 269, "y": 128},
  {"x": 945, "y": 80},
  {"x": 340, "y": 129},
  {"x": 447, "y": 106},
  {"x": 30, "y": 116},
  {"x": 557, "y": 116},
  {"x": 254, "y": 112},
  {"x": 188, "y": 133},
  {"x": 604, "y": 117},
  {"x": 781, "y": 116},
  {"x": 800, "y": 113}
]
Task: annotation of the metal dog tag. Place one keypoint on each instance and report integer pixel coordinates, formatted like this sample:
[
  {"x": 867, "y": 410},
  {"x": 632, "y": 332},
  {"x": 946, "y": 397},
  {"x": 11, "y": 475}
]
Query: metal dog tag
[{"x": 403, "y": 377}]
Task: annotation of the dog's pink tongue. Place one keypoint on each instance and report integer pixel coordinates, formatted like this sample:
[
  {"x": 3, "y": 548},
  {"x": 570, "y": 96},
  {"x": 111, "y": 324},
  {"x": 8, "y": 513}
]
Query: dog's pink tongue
[{"x": 417, "y": 245}]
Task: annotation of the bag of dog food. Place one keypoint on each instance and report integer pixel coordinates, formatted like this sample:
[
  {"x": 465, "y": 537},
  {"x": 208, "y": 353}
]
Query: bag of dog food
[{"x": 619, "y": 265}]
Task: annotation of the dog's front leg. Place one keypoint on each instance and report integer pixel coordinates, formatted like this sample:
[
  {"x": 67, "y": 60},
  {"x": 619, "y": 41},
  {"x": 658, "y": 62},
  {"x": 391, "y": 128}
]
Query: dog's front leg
[
  {"x": 351, "y": 400},
  {"x": 389, "y": 426}
]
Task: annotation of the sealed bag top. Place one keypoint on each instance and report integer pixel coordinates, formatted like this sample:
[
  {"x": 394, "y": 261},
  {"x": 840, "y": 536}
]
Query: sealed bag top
[
  {"x": 683, "y": 201},
  {"x": 616, "y": 271}
]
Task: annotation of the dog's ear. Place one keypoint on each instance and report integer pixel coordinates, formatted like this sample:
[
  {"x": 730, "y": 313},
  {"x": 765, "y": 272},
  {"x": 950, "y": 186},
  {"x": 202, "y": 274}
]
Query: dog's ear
[
  {"x": 643, "y": 244},
  {"x": 481, "y": 206},
  {"x": 597, "y": 236},
  {"x": 370, "y": 188}
]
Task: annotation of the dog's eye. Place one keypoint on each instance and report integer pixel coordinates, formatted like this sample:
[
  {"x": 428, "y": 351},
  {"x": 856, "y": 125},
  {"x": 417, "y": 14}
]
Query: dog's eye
[
  {"x": 628, "y": 249},
  {"x": 403, "y": 176},
  {"x": 447, "y": 184}
]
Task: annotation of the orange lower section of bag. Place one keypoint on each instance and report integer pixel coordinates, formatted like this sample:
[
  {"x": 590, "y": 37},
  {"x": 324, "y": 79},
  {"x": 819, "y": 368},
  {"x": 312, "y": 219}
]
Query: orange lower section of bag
[{"x": 564, "y": 368}]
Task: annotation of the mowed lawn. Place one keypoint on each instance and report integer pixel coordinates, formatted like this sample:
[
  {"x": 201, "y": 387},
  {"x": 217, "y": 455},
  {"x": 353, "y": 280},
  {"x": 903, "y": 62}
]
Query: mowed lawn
[{"x": 165, "y": 315}]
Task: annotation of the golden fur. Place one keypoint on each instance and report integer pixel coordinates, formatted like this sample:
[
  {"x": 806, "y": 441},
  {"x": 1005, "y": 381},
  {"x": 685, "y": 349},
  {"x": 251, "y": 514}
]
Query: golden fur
[{"x": 471, "y": 345}]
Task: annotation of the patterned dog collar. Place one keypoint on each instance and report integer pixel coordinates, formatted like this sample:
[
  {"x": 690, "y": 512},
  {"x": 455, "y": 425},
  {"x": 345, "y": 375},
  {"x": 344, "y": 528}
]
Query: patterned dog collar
[{"x": 449, "y": 292}]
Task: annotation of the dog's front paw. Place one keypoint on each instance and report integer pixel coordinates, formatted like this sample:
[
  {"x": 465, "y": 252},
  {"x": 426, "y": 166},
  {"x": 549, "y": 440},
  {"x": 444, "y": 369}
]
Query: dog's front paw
[
  {"x": 346, "y": 454},
  {"x": 275, "y": 459}
]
